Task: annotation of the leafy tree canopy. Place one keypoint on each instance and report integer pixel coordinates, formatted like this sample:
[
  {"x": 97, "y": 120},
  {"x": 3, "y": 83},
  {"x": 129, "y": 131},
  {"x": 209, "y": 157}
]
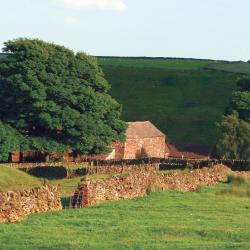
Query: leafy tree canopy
[
  {"x": 10, "y": 141},
  {"x": 240, "y": 101},
  {"x": 235, "y": 138},
  {"x": 234, "y": 142},
  {"x": 55, "y": 99}
]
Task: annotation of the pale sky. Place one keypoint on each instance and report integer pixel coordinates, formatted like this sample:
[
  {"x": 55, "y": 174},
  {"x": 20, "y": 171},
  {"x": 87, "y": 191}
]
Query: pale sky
[{"x": 216, "y": 29}]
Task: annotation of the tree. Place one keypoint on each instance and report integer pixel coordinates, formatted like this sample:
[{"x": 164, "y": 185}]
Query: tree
[
  {"x": 235, "y": 138},
  {"x": 56, "y": 99},
  {"x": 10, "y": 141},
  {"x": 240, "y": 101},
  {"x": 234, "y": 142}
]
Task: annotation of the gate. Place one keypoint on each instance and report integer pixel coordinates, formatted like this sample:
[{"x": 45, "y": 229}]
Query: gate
[{"x": 77, "y": 198}]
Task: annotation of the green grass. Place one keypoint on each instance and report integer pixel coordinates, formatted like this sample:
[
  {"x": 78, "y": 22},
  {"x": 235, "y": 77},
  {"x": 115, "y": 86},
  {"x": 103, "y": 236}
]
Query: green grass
[
  {"x": 238, "y": 186},
  {"x": 184, "y": 104},
  {"x": 164, "y": 220},
  {"x": 166, "y": 63},
  {"x": 13, "y": 179},
  {"x": 234, "y": 67}
]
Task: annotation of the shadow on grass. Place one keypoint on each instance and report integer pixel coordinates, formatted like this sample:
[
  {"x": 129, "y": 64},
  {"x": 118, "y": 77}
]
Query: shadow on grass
[{"x": 49, "y": 172}]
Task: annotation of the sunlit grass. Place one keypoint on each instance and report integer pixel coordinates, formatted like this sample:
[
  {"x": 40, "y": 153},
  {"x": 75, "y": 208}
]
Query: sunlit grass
[
  {"x": 186, "y": 64},
  {"x": 163, "y": 220},
  {"x": 14, "y": 179}
]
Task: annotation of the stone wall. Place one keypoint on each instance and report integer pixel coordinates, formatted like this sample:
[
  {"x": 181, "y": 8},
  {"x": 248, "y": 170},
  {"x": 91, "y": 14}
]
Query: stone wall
[
  {"x": 127, "y": 186},
  {"x": 117, "y": 169},
  {"x": 194, "y": 179},
  {"x": 145, "y": 147},
  {"x": 16, "y": 206},
  {"x": 119, "y": 150},
  {"x": 136, "y": 184}
]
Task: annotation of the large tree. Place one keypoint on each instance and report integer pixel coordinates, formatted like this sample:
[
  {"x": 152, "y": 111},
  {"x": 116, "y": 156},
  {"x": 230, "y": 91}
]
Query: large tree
[
  {"x": 234, "y": 142},
  {"x": 55, "y": 99}
]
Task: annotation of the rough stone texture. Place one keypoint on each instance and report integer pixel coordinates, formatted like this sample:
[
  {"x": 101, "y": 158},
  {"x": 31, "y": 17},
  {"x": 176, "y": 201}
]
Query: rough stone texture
[
  {"x": 136, "y": 184},
  {"x": 119, "y": 150},
  {"x": 143, "y": 140},
  {"x": 144, "y": 147},
  {"x": 16, "y": 206},
  {"x": 117, "y": 169},
  {"x": 119, "y": 188},
  {"x": 194, "y": 179}
]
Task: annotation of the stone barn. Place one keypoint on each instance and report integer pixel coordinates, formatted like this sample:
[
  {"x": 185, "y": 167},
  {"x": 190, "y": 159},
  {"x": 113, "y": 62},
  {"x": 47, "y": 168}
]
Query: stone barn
[{"x": 143, "y": 140}]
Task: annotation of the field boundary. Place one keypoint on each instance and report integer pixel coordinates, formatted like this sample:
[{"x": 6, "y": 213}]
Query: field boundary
[{"x": 168, "y": 163}]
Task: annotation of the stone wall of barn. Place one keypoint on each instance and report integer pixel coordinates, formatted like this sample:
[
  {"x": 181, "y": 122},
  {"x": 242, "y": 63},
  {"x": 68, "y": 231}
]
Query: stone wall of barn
[
  {"x": 119, "y": 150},
  {"x": 145, "y": 147},
  {"x": 17, "y": 205}
]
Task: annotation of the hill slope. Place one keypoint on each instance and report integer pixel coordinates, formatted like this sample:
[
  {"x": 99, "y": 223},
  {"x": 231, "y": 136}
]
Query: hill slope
[
  {"x": 182, "y": 97},
  {"x": 234, "y": 67},
  {"x": 149, "y": 62},
  {"x": 13, "y": 179}
]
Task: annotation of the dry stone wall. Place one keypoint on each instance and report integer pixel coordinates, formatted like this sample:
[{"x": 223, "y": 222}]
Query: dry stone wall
[
  {"x": 194, "y": 179},
  {"x": 118, "y": 169},
  {"x": 120, "y": 187},
  {"x": 136, "y": 184},
  {"x": 16, "y": 206}
]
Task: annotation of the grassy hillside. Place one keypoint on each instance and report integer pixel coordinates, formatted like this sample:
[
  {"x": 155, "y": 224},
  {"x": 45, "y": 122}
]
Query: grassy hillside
[
  {"x": 234, "y": 67},
  {"x": 165, "y": 220},
  {"x": 13, "y": 179},
  {"x": 165, "y": 63},
  {"x": 183, "y": 103},
  {"x": 183, "y": 97}
]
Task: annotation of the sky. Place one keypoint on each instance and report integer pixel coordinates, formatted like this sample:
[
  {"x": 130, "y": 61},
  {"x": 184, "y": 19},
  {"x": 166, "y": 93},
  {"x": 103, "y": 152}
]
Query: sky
[{"x": 213, "y": 29}]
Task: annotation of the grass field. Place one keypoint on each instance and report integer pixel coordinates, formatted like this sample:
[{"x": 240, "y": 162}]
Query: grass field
[
  {"x": 13, "y": 179},
  {"x": 184, "y": 104},
  {"x": 183, "y": 97},
  {"x": 165, "y": 63},
  {"x": 164, "y": 220},
  {"x": 235, "y": 67}
]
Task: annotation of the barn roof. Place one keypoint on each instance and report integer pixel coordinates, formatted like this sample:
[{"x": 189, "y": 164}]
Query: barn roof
[{"x": 145, "y": 129}]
